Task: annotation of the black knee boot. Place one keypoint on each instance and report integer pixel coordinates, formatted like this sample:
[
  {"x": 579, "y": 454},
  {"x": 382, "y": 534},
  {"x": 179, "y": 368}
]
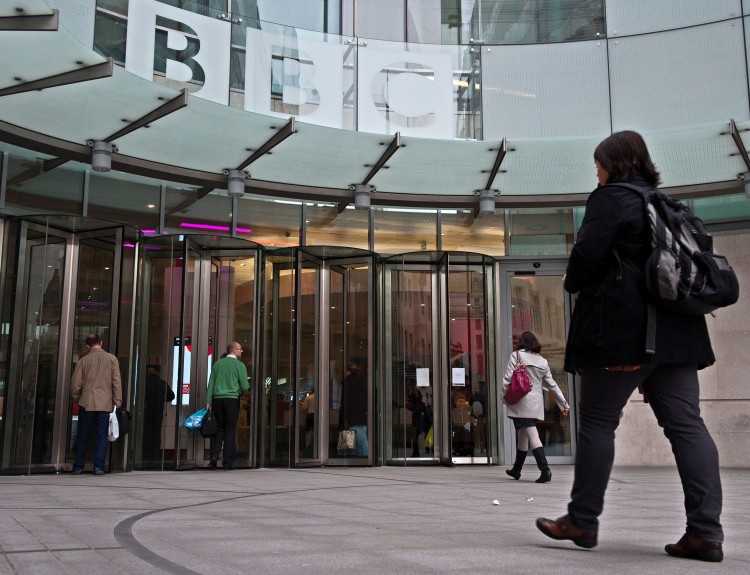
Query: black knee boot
[
  {"x": 515, "y": 473},
  {"x": 541, "y": 462}
]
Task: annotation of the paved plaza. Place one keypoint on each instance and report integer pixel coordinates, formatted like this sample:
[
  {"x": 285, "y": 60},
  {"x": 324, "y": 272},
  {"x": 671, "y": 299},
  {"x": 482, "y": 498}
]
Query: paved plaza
[{"x": 413, "y": 520}]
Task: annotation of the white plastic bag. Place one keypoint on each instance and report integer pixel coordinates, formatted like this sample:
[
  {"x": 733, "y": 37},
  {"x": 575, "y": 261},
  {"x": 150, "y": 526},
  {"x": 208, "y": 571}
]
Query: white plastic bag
[{"x": 114, "y": 427}]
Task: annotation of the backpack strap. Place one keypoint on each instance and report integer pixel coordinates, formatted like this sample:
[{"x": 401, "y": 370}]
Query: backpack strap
[{"x": 645, "y": 192}]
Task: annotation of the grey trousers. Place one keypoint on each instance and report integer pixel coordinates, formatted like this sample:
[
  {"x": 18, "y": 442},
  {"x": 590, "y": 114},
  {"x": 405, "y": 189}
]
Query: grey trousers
[{"x": 673, "y": 394}]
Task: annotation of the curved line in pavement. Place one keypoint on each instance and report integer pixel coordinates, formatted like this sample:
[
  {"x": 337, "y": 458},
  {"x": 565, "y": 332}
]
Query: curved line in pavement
[{"x": 124, "y": 529}]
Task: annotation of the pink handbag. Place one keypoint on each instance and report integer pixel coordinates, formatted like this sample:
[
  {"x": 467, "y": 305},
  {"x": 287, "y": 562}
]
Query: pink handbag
[{"x": 520, "y": 383}]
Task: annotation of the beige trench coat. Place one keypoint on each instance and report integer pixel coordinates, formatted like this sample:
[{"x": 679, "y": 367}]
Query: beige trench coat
[{"x": 96, "y": 381}]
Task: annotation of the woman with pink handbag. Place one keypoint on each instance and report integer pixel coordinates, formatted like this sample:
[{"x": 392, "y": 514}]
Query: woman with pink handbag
[{"x": 530, "y": 408}]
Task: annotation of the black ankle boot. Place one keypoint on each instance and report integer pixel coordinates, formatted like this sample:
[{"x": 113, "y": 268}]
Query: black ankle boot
[
  {"x": 541, "y": 462},
  {"x": 515, "y": 473}
]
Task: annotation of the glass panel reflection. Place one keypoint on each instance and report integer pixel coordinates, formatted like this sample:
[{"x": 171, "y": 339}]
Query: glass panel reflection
[
  {"x": 412, "y": 367},
  {"x": 34, "y": 429},
  {"x": 403, "y": 230},
  {"x": 308, "y": 342},
  {"x": 541, "y": 232},
  {"x": 279, "y": 337},
  {"x": 352, "y": 363},
  {"x": 460, "y": 231},
  {"x": 93, "y": 308},
  {"x": 30, "y": 190},
  {"x": 538, "y": 306},
  {"x": 325, "y": 226},
  {"x": 468, "y": 392},
  {"x": 268, "y": 221}
]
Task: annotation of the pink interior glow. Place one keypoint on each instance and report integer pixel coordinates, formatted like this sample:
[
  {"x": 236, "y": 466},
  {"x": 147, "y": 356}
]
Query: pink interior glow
[{"x": 216, "y": 228}]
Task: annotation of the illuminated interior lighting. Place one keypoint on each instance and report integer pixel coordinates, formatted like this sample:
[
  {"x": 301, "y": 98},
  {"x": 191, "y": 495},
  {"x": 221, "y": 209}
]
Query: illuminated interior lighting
[
  {"x": 409, "y": 211},
  {"x": 149, "y": 231},
  {"x": 215, "y": 228},
  {"x": 151, "y": 206}
]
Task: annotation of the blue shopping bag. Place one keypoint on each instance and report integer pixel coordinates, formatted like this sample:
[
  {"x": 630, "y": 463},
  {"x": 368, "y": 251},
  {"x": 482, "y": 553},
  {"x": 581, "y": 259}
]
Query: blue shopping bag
[{"x": 193, "y": 422}]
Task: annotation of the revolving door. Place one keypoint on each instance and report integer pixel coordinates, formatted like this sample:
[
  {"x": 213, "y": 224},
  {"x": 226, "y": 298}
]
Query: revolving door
[
  {"x": 196, "y": 295},
  {"x": 438, "y": 366},
  {"x": 318, "y": 340},
  {"x": 64, "y": 277}
]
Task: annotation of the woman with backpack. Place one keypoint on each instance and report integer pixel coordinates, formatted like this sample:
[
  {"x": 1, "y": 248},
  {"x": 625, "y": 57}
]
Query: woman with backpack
[{"x": 606, "y": 347}]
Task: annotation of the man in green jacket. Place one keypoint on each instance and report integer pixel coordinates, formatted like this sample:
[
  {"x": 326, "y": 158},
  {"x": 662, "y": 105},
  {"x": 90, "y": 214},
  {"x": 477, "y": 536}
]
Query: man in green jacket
[{"x": 227, "y": 382}]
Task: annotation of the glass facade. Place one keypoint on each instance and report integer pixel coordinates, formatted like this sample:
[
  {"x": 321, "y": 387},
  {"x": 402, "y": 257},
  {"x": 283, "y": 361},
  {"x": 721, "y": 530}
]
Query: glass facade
[
  {"x": 331, "y": 330},
  {"x": 475, "y": 70}
]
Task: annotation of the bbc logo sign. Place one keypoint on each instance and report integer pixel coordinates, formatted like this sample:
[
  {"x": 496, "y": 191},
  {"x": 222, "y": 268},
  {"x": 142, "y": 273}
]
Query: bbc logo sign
[{"x": 396, "y": 90}]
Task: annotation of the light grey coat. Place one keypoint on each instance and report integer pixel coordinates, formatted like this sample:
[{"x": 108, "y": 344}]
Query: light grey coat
[{"x": 532, "y": 406}]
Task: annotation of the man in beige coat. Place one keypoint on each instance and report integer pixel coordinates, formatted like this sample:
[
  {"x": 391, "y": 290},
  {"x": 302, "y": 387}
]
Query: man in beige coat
[{"x": 96, "y": 389}]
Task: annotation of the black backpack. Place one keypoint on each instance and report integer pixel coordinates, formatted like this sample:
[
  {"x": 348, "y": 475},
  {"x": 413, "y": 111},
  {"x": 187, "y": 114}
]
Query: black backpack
[{"x": 683, "y": 272}]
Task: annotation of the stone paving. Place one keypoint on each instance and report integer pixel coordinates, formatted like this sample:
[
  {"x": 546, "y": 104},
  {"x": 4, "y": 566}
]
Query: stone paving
[{"x": 411, "y": 520}]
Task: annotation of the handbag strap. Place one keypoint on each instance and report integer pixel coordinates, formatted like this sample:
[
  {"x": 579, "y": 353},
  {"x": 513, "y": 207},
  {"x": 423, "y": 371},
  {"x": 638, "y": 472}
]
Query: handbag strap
[{"x": 519, "y": 363}]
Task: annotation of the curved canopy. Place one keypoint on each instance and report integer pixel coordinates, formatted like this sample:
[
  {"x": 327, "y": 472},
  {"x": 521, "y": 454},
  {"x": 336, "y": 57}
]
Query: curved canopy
[{"x": 57, "y": 97}]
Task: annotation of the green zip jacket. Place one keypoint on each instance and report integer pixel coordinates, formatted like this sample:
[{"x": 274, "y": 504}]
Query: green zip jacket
[{"x": 228, "y": 379}]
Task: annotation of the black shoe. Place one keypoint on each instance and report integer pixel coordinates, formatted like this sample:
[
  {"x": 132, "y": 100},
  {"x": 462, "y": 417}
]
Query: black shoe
[
  {"x": 77, "y": 472},
  {"x": 563, "y": 529},
  {"x": 212, "y": 464},
  {"x": 693, "y": 548},
  {"x": 545, "y": 477},
  {"x": 228, "y": 467},
  {"x": 98, "y": 472},
  {"x": 514, "y": 473}
]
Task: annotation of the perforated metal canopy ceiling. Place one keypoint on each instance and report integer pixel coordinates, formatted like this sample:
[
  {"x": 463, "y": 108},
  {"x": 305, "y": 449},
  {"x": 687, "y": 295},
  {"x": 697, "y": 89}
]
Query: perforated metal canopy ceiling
[{"x": 57, "y": 96}]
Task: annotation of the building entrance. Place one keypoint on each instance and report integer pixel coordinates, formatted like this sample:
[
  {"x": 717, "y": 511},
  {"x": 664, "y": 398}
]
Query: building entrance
[
  {"x": 319, "y": 340},
  {"x": 535, "y": 301},
  {"x": 439, "y": 318},
  {"x": 64, "y": 277},
  {"x": 196, "y": 295}
]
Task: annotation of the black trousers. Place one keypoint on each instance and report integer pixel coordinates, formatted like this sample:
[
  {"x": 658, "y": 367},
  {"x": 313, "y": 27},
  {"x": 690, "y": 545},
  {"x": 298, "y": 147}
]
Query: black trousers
[
  {"x": 673, "y": 394},
  {"x": 226, "y": 410}
]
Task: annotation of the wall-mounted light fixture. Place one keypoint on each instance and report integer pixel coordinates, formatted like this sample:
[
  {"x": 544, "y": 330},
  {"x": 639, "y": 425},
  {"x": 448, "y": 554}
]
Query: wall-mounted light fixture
[
  {"x": 101, "y": 155},
  {"x": 486, "y": 202},
  {"x": 236, "y": 183},
  {"x": 362, "y": 193}
]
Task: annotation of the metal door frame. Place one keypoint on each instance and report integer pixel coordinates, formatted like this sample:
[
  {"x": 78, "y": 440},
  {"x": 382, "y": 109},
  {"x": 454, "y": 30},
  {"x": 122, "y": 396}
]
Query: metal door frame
[
  {"x": 324, "y": 375},
  {"x": 440, "y": 421},
  {"x": 71, "y": 242},
  {"x": 524, "y": 266},
  {"x": 486, "y": 269}
]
